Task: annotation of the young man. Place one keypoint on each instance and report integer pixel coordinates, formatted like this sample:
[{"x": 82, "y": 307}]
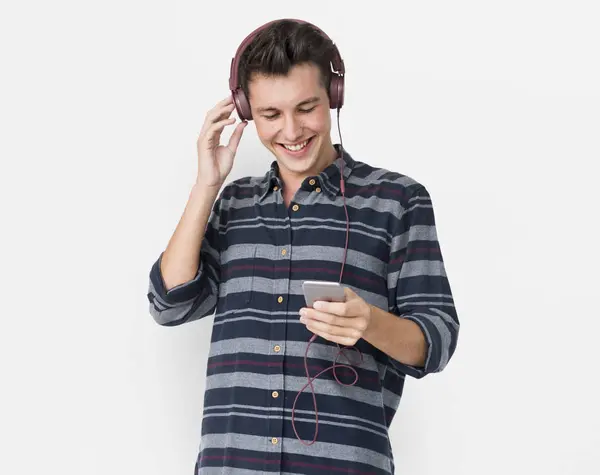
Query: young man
[{"x": 244, "y": 252}]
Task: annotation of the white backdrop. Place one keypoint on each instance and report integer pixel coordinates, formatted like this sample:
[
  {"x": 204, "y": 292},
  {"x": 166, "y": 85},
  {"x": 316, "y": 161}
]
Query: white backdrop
[{"x": 494, "y": 106}]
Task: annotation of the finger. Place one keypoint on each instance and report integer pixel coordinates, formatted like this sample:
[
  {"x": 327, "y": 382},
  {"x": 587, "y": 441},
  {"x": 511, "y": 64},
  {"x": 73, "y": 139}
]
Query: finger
[
  {"x": 342, "y": 340},
  {"x": 336, "y": 308},
  {"x": 222, "y": 113},
  {"x": 324, "y": 317},
  {"x": 216, "y": 115},
  {"x": 322, "y": 328},
  {"x": 214, "y": 131},
  {"x": 236, "y": 136}
]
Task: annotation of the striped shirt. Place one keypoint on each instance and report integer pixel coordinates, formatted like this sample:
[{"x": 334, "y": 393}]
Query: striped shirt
[{"x": 255, "y": 255}]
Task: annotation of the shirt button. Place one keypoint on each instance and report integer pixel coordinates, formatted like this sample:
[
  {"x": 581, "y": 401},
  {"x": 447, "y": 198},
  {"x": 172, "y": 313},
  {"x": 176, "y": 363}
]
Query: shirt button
[
  {"x": 277, "y": 348},
  {"x": 280, "y": 299},
  {"x": 283, "y": 252},
  {"x": 295, "y": 207},
  {"x": 275, "y": 188},
  {"x": 275, "y": 394},
  {"x": 318, "y": 190},
  {"x": 274, "y": 440},
  {"x": 312, "y": 181}
]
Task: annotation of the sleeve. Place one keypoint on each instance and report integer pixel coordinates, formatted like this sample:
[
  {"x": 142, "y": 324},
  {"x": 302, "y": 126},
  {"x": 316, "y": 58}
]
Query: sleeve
[
  {"x": 419, "y": 289},
  {"x": 196, "y": 298}
]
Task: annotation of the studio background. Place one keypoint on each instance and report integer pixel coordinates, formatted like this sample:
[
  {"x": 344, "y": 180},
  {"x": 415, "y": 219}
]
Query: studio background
[{"x": 493, "y": 106}]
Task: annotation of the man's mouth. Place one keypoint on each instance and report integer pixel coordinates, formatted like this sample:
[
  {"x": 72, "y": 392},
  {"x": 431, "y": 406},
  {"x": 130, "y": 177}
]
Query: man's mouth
[{"x": 298, "y": 147}]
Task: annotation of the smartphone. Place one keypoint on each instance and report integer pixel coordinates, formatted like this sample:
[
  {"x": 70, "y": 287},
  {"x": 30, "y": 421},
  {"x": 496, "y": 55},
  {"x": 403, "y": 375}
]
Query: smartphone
[{"x": 322, "y": 290}]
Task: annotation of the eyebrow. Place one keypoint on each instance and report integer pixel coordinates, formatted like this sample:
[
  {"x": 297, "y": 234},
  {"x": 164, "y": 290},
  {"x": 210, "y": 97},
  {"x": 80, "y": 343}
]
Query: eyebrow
[{"x": 310, "y": 100}]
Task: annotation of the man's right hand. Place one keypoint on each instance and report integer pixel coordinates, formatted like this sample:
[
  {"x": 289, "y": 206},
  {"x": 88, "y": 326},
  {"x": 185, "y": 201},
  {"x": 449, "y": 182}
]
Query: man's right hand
[{"x": 214, "y": 160}]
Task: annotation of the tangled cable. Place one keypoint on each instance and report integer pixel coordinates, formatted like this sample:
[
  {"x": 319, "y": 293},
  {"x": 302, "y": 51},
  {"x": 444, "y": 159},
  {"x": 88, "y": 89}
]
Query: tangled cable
[{"x": 310, "y": 383}]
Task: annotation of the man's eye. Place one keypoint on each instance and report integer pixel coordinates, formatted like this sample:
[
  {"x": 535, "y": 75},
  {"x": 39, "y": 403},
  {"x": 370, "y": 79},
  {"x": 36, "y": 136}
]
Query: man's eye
[
  {"x": 308, "y": 110},
  {"x": 270, "y": 117}
]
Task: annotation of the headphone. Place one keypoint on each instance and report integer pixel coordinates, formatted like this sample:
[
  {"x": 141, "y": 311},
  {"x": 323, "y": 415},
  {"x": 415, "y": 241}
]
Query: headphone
[
  {"x": 336, "y": 100},
  {"x": 336, "y": 86}
]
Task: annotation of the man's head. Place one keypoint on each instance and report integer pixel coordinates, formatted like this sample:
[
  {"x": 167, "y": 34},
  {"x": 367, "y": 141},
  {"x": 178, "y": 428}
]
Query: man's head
[{"x": 285, "y": 73}]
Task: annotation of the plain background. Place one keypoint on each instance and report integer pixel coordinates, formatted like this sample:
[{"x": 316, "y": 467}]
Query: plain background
[{"x": 494, "y": 106}]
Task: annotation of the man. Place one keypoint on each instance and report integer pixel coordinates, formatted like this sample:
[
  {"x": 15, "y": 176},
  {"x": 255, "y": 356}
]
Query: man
[{"x": 244, "y": 252}]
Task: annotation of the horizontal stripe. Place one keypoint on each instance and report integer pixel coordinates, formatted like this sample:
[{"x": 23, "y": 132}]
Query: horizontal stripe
[
  {"x": 279, "y": 412},
  {"x": 294, "y": 447}
]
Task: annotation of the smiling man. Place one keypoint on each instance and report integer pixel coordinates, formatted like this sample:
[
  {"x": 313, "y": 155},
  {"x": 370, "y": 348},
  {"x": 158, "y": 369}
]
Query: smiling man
[
  {"x": 293, "y": 121},
  {"x": 281, "y": 396}
]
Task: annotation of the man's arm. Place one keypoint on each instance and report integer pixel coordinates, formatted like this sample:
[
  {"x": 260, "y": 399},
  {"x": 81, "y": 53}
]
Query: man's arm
[
  {"x": 184, "y": 280},
  {"x": 420, "y": 332},
  {"x": 181, "y": 258},
  {"x": 399, "y": 338},
  {"x": 420, "y": 294}
]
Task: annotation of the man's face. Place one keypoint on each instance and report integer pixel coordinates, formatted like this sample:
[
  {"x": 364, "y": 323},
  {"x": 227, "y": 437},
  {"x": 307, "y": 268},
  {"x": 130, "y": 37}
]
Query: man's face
[{"x": 293, "y": 120}]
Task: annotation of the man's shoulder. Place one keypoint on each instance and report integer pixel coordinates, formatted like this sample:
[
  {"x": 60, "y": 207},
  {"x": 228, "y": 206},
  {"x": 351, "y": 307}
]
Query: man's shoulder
[{"x": 384, "y": 182}]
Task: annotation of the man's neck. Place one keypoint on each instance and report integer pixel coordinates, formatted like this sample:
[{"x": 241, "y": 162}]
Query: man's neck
[{"x": 292, "y": 182}]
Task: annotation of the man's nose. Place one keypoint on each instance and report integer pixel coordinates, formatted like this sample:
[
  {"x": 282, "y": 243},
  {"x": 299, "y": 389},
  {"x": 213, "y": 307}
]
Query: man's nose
[{"x": 292, "y": 129}]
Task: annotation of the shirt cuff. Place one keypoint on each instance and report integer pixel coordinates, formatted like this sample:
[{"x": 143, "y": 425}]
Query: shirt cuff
[{"x": 180, "y": 293}]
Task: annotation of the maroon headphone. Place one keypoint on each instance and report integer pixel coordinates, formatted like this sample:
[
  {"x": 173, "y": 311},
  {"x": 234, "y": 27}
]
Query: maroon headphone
[{"x": 336, "y": 87}]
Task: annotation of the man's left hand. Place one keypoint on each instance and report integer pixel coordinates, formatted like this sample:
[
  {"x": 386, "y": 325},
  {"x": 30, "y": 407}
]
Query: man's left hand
[{"x": 340, "y": 322}]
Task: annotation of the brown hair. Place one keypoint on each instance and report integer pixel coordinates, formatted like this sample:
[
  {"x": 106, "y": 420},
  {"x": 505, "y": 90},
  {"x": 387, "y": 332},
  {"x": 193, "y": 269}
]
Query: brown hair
[{"x": 282, "y": 45}]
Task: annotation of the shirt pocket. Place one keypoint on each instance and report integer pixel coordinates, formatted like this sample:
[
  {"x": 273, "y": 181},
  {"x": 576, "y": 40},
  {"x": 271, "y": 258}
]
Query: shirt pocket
[{"x": 238, "y": 276}]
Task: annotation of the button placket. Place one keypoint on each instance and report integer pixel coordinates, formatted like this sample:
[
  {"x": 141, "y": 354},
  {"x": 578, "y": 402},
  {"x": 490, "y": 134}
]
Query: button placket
[{"x": 282, "y": 254}]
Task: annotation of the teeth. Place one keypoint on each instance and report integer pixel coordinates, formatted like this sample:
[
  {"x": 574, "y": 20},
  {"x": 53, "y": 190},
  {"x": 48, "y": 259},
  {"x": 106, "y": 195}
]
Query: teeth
[{"x": 297, "y": 147}]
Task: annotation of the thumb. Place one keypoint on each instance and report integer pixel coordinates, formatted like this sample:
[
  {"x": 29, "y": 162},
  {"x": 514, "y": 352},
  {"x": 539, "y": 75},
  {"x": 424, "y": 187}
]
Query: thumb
[
  {"x": 236, "y": 136},
  {"x": 349, "y": 293}
]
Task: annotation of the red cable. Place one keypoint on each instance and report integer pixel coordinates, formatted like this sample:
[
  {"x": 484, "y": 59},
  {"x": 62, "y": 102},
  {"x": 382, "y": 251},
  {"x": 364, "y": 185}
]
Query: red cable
[{"x": 314, "y": 337}]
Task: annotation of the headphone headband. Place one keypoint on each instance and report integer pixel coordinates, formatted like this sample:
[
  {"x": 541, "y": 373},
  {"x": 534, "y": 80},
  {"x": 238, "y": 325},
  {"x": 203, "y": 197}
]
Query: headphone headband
[{"x": 336, "y": 89}]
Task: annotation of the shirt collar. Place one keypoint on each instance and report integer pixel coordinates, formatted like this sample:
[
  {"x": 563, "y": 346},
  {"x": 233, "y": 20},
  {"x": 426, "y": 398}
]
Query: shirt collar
[{"x": 329, "y": 178}]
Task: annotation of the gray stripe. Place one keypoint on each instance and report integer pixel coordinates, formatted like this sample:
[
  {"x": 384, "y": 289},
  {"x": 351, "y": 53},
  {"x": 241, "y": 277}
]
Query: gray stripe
[
  {"x": 301, "y": 253},
  {"x": 294, "y": 446},
  {"x": 390, "y": 399},
  {"x": 419, "y": 268},
  {"x": 292, "y": 384},
  {"x": 269, "y": 221},
  {"x": 375, "y": 204},
  {"x": 412, "y": 296},
  {"x": 231, "y": 471},
  {"x": 423, "y": 232},
  {"x": 288, "y": 287},
  {"x": 242, "y": 471}
]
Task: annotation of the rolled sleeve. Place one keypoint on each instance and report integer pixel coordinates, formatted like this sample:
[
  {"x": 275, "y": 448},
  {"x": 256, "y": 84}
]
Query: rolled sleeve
[
  {"x": 179, "y": 294},
  {"x": 195, "y": 298},
  {"x": 419, "y": 286}
]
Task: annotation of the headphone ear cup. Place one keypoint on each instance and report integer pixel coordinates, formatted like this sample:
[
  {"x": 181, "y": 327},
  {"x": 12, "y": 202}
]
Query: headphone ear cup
[
  {"x": 336, "y": 92},
  {"x": 242, "y": 105}
]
